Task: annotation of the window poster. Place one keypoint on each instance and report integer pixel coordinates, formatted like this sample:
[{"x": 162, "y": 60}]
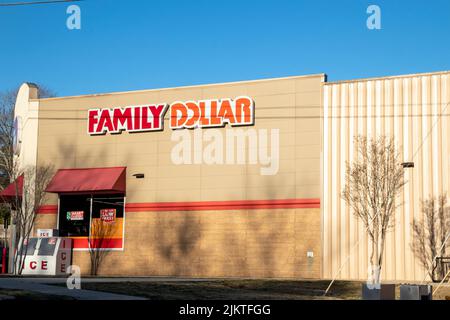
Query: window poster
[
  {"x": 75, "y": 215},
  {"x": 108, "y": 215}
]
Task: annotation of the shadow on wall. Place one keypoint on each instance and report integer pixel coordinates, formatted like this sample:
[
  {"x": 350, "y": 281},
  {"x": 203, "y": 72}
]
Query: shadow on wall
[
  {"x": 219, "y": 243},
  {"x": 98, "y": 154},
  {"x": 177, "y": 240},
  {"x": 248, "y": 243},
  {"x": 270, "y": 239}
]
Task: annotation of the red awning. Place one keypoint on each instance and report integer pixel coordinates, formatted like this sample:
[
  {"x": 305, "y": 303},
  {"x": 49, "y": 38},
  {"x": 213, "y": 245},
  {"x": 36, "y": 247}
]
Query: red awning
[
  {"x": 94, "y": 180},
  {"x": 13, "y": 190}
]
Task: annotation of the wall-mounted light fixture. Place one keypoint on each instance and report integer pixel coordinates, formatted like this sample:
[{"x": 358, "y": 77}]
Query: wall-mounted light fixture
[
  {"x": 408, "y": 165},
  {"x": 139, "y": 175}
]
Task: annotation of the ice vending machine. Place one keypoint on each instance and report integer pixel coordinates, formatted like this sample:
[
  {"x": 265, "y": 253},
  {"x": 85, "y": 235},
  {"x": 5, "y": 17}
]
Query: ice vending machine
[{"x": 47, "y": 256}]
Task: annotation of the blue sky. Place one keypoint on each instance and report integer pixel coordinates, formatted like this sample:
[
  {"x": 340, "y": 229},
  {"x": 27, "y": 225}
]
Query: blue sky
[{"x": 143, "y": 44}]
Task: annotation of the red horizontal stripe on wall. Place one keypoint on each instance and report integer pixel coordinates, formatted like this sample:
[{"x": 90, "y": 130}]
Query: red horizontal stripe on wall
[
  {"x": 48, "y": 209},
  {"x": 223, "y": 205},
  {"x": 209, "y": 205},
  {"x": 82, "y": 243}
]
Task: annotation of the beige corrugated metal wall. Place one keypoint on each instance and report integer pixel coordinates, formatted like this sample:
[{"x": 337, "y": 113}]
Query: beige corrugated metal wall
[{"x": 414, "y": 109}]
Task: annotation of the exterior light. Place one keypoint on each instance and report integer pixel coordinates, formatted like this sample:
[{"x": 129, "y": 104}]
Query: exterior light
[
  {"x": 408, "y": 165},
  {"x": 139, "y": 175}
]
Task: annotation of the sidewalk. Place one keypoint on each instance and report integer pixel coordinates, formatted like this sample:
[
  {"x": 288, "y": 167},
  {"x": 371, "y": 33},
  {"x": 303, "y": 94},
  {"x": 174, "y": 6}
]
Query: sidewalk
[{"x": 35, "y": 285}]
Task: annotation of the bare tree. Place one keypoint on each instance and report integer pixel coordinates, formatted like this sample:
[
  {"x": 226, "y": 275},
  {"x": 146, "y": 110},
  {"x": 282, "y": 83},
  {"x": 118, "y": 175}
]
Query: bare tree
[
  {"x": 33, "y": 197},
  {"x": 372, "y": 184},
  {"x": 8, "y": 165},
  {"x": 430, "y": 235},
  {"x": 100, "y": 236},
  {"x": 8, "y": 169},
  {"x": 7, "y": 100}
]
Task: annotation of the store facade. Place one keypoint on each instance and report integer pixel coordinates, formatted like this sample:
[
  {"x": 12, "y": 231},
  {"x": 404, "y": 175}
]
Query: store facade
[
  {"x": 205, "y": 181},
  {"x": 236, "y": 179}
]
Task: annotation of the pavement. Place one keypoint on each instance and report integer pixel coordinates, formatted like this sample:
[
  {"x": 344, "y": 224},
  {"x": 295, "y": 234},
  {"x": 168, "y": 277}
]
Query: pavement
[
  {"x": 52, "y": 285},
  {"x": 55, "y": 285},
  {"x": 42, "y": 285},
  {"x": 88, "y": 279}
]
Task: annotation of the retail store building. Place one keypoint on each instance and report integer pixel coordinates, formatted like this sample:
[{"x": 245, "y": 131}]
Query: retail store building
[{"x": 232, "y": 180}]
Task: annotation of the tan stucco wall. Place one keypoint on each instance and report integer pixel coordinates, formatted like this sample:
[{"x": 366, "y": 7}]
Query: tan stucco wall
[
  {"x": 220, "y": 243},
  {"x": 45, "y": 221},
  {"x": 291, "y": 105}
]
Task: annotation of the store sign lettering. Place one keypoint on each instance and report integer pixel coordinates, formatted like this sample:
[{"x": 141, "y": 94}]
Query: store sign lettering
[{"x": 182, "y": 115}]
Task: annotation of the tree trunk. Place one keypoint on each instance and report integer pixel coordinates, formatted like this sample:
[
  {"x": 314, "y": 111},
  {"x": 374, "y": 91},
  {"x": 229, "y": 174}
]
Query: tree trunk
[{"x": 380, "y": 255}]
